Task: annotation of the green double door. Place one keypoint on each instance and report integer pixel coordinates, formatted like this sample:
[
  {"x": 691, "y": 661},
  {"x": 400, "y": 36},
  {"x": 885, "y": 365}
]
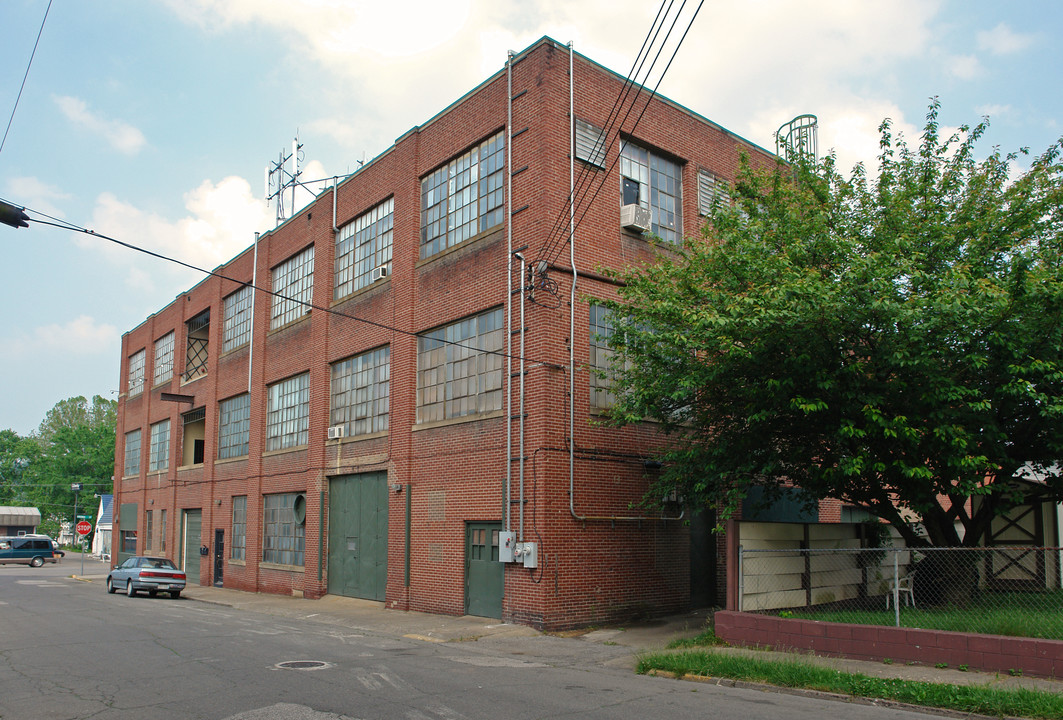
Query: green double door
[
  {"x": 484, "y": 578},
  {"x": 358, "y": 536}
]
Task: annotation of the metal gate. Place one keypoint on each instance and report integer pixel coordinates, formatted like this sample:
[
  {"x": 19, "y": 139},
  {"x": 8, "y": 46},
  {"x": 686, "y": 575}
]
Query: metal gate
[
  {"x": 358, "y": 536},
  {"x": 484, "y": 578}
]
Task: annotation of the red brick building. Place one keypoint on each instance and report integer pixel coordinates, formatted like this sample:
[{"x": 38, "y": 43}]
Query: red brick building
[{"x": 388, "y": 396}]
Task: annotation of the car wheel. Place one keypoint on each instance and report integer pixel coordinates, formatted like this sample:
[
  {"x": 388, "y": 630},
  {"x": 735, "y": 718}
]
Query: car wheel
[
  {"x": 110, "y": 585},
  {"x": 129, "y": 588},
  {"x": 37, "y": 562},
  {"x": 152, "y": 593},
  {"x": 175, "y": 594}
]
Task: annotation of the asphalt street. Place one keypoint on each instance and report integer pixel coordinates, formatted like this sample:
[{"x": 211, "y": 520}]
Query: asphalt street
[{"x": 70, "y": 650}]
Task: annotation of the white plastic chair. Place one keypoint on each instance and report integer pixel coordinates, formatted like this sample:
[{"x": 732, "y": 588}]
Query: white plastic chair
[{"x": 903, "y": 587}]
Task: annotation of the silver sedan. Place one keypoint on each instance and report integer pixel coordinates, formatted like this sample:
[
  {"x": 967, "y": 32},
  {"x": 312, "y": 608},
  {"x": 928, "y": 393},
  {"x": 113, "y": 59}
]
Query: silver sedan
[{"x": 150, "y": 574}]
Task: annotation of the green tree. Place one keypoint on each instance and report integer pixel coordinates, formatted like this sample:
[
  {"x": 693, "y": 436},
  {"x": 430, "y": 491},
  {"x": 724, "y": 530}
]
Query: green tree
[{"x": 895, "y": 343}]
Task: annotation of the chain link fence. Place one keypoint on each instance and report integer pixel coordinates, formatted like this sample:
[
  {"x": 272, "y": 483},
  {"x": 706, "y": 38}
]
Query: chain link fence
[{"x": 1012, "y": 591}]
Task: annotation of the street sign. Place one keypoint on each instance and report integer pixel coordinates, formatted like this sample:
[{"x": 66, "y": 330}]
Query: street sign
[
  {"x": 76, "y": 487},
  {"x": 83, "y": 527},
  {"x": 84, "y": 517}
]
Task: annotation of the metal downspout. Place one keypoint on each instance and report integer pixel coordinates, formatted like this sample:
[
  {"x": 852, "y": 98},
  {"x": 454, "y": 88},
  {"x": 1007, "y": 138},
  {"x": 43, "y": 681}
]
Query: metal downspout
[
  {"x": 509, "y": 292},
  {"x": 572, "y": 294}
]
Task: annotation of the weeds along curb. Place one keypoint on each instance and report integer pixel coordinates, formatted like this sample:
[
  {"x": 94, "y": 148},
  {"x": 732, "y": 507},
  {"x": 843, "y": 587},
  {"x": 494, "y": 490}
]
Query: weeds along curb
[{"x": 823, "y": 695}]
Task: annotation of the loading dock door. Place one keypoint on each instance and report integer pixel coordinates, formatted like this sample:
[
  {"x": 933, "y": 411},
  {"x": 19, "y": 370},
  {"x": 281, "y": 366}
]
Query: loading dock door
[
  {"x": 358, "y": 536},
  {"x": 193, "y": 520}
]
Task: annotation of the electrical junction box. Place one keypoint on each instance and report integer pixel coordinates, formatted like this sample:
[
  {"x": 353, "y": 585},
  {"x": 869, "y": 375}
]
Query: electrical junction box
[
  {"x": 507, "y": 543},
  {"x": 530, "y": 555}
]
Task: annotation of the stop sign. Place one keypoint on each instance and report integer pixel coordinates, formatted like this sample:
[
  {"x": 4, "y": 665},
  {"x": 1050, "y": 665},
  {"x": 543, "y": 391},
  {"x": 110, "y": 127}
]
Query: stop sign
[{"x": 83, "y": 527}]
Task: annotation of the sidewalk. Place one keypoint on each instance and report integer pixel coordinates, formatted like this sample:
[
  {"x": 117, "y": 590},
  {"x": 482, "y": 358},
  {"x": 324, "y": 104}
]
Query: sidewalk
[{"x": 628, "y": 640}]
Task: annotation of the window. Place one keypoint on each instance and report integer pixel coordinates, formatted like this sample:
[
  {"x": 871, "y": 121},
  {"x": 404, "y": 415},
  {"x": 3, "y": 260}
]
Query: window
[
  {"x": 239, "y": 541},
  {"x": 159, "y": 458},
  {"x": 198, "y": 331},
  {"x": 293, "y": 283},
  {"x": 234, "y": 426},
  {"x": 136, "y": 373},
  {"x": 162, "y": 531},
  {"x": 282, "y": 539},
  {"x": 149, "y": 529},
  {"x": 590, "y": 143},
  {"x": 163, "y": 359},
  {"x": 288, "y": 413},
  {"x": 463, "y": 198},
  {"x": 601, "y": 329},
  {"x": 129, "y": 542},
  {"x": 360, "y": 392},
  {"x": 193, "y": 436},
  {"x": 658, "y": 182},
  {"x": 132, "y": 453},
  {"x": 712, "y": 190},
  {"x": 362, "y": 246},
  {"x": 236, "y": 328},
  {"x": 459, "y": 368}
]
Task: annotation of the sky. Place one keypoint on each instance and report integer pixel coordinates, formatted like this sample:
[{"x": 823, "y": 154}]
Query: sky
[{"x": 152, "y": 121}]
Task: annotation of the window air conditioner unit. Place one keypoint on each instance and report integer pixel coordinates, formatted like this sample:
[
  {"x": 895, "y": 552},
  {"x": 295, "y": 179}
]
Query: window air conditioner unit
[
  {"x": 378, "y": 273},
  {"x": 635, "y": 217},
  {"x": 335, "y": 432}
]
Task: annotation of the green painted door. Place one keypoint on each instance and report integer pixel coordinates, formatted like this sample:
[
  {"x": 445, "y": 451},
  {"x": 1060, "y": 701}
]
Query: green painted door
[
  {"x": 358, "y": 536},
  {"x": 193, "y": 520},
  {"x": 483, "y": 571}
]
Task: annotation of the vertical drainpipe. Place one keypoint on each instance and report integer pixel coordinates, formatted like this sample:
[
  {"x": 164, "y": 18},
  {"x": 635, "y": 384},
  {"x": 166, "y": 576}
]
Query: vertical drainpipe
[
  {"x": 506, "y": 520},
  {"x": 409, "y": 504},
  {"x": 320, "y": 534},
  {"x": 251, "y": 340},
  {"x": 572, "y": 292},
  {"x": 520, "y": 411}
]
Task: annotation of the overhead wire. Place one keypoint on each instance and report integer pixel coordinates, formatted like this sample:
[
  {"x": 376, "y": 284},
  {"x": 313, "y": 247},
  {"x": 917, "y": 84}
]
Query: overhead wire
[
  {"x": 602, "y": 142},
  {"x": 653, "y": 94},
  {"x": 26, "y": 75},
  {"x": 65, "y": 225}
]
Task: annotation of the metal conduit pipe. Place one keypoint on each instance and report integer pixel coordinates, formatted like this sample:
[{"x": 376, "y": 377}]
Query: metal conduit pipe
[{"x": 507, "y": 490}]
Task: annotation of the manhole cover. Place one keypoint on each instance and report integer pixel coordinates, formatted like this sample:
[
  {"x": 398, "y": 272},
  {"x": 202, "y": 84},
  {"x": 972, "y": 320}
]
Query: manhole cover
[{"x": 303, "y": 665}]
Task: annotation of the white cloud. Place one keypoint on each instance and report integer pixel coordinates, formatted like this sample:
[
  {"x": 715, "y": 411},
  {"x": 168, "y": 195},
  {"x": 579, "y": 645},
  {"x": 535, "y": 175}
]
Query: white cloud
[
  {"x": 122, "y": 136},
  {"x": 35, "y": 194},
  {"x": 1002, "y": 40},
  {"x": 79, "y": 337},
  {"x": 965, "y": 67},
  {"x": 994, "y": 111},
  {"x": 222, "y": 220}
]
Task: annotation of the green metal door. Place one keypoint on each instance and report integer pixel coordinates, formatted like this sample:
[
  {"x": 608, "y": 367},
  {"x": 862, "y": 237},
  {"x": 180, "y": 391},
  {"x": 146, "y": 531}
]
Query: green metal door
[
  {"x": 190, "y": 545},
  {"x": 358, "y": 536},
  {"x": 483, "y": 572}
]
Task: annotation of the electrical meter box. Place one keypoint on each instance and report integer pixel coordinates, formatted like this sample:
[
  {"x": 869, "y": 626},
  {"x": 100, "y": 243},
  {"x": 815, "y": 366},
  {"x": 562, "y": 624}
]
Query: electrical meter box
[
  {"x": 531, "y": 555},
  {"x": 507, "y": 543}
]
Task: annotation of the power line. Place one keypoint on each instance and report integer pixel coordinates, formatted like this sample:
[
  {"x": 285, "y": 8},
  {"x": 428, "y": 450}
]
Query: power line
[
  {"x": 639, "y": 118},
  {"x": 63, "y": 224},
  {"x": 26, "y": 75}
]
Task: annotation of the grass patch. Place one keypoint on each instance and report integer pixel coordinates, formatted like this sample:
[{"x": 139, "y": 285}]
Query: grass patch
[
  {"x": 706, "y": 639},
  {"x": 793, "y": 673},
  {"x": 1034, "y": 615}
]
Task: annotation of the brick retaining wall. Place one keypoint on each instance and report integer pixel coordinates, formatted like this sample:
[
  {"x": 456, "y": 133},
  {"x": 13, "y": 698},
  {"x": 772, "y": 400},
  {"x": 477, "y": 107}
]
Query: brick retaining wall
[{"x": 993, "y": 653}]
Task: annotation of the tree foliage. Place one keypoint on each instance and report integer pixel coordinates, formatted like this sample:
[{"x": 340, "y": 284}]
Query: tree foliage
[
  {"x": 895, "y": 343},
  {"x": 74, "y": 444}
]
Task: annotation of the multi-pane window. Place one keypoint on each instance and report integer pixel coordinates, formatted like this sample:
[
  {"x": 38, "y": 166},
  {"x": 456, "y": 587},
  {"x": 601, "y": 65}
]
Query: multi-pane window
[
  {"x": 288, "y": 413},
  {"x": 136, "y": 373},
  {"x": 238, "y": 546},
  {"x": 236, "y": 329},
  {"x": 129, "y": 542},
  {"x": 132, "y": 453},
  {"x": 282, "y": 537},
  {"x": 360, "y": 392},
  {"x": 159, "y": 453},
  {"x": 234, "y": 426},
  {"x": 463, "y": 198},
  {"x": 149, "y": 530},
  {"x": 196, "y": 355},
  {"x": 601, "y": 329},
  {"x": 659, "y": 184},
  {"x": 459, "y": 368},
  {"x": 162, "y": 531},
  {"x": 362, "y": 246},
  {"x": 293, "y": 288},
  {"x": 163, "y": 359}
]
